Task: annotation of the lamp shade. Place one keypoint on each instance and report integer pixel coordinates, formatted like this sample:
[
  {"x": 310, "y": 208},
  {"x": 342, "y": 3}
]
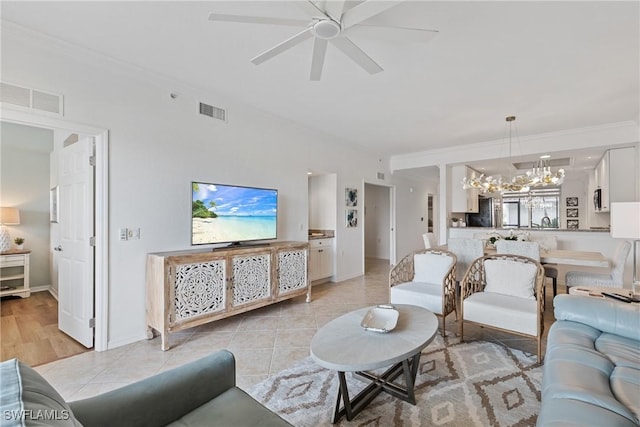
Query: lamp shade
[
  {"x": 9, "y": 216},
  {"x": 625, "y": 220}
]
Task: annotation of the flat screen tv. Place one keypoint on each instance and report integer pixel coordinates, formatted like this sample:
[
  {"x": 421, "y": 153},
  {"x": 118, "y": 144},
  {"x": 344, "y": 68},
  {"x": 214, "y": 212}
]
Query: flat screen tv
[{"x": 232, "y": 214}]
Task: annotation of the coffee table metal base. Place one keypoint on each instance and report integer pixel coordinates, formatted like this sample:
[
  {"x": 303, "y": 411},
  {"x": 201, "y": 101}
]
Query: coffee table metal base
[{"x": 384, "y": 382}]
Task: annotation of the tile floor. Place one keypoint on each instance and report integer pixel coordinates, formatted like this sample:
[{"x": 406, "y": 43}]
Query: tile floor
[{"x": 264, "y": 341}]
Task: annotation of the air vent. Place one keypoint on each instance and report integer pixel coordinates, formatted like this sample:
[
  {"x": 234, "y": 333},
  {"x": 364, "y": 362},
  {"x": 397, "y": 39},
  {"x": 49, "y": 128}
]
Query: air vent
[
  {"x": 213, "y": 112},
  {"x": 564, "y": 161},
  {"x": 380, "y": 175},
  {"x": 31, "y": 99}
]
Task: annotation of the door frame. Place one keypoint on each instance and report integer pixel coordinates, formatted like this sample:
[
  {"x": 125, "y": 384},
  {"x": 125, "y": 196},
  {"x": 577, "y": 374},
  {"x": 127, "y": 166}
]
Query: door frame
[
  {"x": 392, "y": 220},
  {"x": 101, "y": 211}
]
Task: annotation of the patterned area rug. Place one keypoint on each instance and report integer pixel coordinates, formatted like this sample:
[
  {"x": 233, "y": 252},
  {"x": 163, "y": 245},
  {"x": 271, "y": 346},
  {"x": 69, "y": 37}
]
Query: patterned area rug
[{"x": 458, "y": 384}]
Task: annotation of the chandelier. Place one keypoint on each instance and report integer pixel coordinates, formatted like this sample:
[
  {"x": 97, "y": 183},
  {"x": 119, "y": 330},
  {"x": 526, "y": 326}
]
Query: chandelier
[{"x": 540, "y": 175}]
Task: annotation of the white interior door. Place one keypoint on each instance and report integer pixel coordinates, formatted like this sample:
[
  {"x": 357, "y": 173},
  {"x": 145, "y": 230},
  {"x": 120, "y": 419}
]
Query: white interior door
[{"x": 76, "y": 251}]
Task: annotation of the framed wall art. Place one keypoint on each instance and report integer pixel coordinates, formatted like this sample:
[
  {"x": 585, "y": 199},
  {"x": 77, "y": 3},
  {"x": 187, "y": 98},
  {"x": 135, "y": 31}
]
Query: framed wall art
[
  {"x": 573, "y": 224},
  {"x": 351, "y": 196},
  {"x": 352, "y": 218},
  {"x": 572, "y": 202},
  {"x": 572, "y": 213}
]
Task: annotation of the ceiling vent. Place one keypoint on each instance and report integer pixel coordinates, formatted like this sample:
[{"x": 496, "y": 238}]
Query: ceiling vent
[
  {"x": 31, "y": 99},
  {"x": 213, "y": 112},
  {"x": 555, "y": 163}
]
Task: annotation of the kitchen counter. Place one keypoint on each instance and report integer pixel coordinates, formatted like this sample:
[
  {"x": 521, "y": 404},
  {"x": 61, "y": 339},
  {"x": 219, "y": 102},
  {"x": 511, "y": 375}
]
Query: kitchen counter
[
  {"x": 506, "y": 230},
  {"x": 321, "y": 234}
]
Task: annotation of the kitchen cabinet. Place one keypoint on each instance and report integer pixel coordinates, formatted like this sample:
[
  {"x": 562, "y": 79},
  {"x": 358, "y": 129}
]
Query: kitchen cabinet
[
  {"x": 463, "y": 200},
  {"x": 320, "y": 259},
  {"x": 616, "y": 176}
]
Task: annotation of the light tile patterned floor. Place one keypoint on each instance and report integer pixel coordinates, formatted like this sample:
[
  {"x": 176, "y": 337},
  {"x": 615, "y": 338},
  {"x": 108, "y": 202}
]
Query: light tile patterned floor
[{"x": 264, "y": 341}]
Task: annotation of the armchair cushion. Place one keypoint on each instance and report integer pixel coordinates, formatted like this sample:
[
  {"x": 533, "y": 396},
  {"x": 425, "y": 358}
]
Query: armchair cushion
[
  {"x": 502, "y": 311},
  {"x": 430, "y": 268},
  {"x": 424, "y": 295},
  {"x": 510, "y": 278}
]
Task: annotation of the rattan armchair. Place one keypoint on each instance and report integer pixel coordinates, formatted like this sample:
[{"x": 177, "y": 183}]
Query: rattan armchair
[
  {"x": 514, "y": 300},
  {"x": 432, "y": 288}
]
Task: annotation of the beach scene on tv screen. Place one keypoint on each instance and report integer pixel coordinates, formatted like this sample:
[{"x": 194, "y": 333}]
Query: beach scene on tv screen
[{"x": 226, "y": 213}]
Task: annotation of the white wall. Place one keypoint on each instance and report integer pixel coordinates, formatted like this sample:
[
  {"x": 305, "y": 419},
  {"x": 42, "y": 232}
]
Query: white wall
[
  {"x": 322, "y": 201},
  {"x": 411, "y": 212},
  {"x": 24, "y": 177},
  {"x": 158, "y": 145}
]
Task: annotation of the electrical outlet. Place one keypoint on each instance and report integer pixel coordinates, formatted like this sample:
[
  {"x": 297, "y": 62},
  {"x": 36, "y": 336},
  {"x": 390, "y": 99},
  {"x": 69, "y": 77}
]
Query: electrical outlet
[{"x": 124, "y": 234}]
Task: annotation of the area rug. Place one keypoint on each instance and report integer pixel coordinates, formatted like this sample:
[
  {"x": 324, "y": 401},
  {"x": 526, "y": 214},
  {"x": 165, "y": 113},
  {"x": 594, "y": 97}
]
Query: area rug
[{"x": 459, "y": 384}]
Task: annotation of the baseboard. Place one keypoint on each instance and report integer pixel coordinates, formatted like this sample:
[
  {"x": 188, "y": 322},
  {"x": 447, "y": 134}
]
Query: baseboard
[
  {"x": 53, "y": 291},
  {"x": 127, "y": 340},
  {"x": 39, "y": 288}
]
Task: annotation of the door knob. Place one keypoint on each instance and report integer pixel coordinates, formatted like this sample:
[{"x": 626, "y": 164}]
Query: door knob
[{"x": 58, "y": 248}]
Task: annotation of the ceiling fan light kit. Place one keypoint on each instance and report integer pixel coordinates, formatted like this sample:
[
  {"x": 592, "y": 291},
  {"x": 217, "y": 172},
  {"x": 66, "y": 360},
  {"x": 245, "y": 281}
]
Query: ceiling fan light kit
[{"x": 330, "y": 23}]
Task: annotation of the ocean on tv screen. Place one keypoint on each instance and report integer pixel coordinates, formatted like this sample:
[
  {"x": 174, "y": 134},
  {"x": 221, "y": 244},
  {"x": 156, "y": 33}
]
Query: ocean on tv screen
[{"x": 224, "y": 213}]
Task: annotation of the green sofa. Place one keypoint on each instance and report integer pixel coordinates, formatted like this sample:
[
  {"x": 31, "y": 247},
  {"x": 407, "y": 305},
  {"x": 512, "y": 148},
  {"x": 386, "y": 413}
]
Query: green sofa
[{"x": 200, "y": 393}]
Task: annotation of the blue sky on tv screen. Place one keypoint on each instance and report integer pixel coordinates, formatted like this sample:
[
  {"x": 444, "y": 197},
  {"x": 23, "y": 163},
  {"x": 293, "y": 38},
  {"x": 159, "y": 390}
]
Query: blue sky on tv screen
[{"x": 238, "y": 201}]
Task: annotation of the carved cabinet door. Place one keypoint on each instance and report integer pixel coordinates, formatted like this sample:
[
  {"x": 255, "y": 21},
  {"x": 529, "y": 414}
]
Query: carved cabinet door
[
  {"x": 197, "y": 289},
  {"x": 250, "y": 278}
]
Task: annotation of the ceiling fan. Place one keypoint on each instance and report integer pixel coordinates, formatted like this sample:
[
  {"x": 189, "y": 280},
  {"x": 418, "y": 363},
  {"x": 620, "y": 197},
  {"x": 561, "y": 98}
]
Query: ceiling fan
[{"x": 329, "y": 22}]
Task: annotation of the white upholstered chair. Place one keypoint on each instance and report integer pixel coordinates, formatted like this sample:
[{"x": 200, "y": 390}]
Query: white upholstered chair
[
  {"x": 515, "y": 247},
  {"x": 425, "y": 278},
  {"x": 550, "y": 270},
  {"x": 466, "y": 251},
  {"x": 429, "y": 240},
  {"x": 613, "y": 279},
  {"x": 504, "y": 292}
]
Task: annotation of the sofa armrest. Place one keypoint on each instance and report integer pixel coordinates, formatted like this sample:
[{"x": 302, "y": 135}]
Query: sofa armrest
[
  {"x": 613, "y": 317},
  {"x": 162, "y": 398}
]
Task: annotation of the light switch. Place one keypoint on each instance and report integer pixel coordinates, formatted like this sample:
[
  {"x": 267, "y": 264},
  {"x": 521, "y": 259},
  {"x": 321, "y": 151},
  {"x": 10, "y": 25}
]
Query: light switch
[{"x": 124, "y": 234}]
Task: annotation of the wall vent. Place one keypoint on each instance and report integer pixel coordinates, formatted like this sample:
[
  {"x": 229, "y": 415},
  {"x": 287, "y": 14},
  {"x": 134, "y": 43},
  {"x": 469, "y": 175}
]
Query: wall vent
[
  {"x": 213, "y": 112},
  {"x": 31, "y": 99},
  {"x": 380, "y": 175}
]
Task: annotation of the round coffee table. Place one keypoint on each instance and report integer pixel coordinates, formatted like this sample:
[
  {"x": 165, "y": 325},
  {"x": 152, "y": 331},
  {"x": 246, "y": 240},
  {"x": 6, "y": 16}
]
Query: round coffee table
[{"x": 343, "y": 345}]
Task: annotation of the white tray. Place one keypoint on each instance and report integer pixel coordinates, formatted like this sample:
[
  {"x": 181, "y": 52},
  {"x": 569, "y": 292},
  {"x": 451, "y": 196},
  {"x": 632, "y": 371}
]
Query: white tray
[{"x": 382, "y": 318}]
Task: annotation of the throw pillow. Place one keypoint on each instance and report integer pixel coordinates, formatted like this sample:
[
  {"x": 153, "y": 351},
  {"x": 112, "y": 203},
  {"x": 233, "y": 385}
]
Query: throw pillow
[
  {"x": 27, "y": 399},
  {"x": 509, "y": 277},
  {"x": 430, "y": 268}
]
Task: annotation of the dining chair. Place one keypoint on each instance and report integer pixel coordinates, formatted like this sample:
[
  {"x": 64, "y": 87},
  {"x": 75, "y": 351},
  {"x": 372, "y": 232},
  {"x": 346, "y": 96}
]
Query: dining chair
[
  {"x": 465, "y": 250},
  {"x": 550, "y": 270},
  {"x": 612, "y": 279},
  {"x": 425, "y": 278},
  {"x": 429, "y": 240},
  {"x": 504, "y": 292},
  {"x": 515, "y": 247}
]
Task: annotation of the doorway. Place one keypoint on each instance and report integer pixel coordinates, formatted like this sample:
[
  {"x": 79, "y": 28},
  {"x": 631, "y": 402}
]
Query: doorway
[
  {"x": 99, "y": 322},
  {"x": 378, "y": 223}
]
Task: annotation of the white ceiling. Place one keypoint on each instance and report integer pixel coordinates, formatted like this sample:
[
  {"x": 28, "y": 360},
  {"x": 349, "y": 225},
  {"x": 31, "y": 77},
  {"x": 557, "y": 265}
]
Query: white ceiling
[{"x": 555, "y": 65}]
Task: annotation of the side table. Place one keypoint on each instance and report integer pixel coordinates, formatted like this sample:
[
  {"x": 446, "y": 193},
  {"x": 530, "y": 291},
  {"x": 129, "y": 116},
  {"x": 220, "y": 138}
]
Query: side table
[{"x": 14, "y": 273}]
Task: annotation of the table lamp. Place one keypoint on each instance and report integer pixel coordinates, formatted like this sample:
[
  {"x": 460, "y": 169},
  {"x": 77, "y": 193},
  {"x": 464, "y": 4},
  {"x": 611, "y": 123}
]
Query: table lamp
[
  {"x": 625, "y": 224},
  {"x": 8, "y": 216}
]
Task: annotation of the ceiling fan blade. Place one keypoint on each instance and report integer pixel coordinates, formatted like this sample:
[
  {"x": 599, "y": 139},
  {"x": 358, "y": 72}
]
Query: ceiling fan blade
[
  {"x": 356, "y": 54},
  {"x": 401, "y": 34},
  {"x": 366, "y": 10},
  {"x": 312, "y": 10},
  {"x": 334, "y": 9},
  {"x": 317, "y": 61},
  {"x": 257, "y": 20},
  {"x": 287, "y": 44}
]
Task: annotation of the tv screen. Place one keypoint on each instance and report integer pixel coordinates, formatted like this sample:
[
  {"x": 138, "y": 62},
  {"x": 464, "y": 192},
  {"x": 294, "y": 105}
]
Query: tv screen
[{"x": 232, "y": 214}]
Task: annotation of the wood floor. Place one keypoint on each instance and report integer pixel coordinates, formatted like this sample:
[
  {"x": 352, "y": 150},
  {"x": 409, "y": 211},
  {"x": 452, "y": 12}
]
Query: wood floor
[{"x": 29, "y": 330}]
